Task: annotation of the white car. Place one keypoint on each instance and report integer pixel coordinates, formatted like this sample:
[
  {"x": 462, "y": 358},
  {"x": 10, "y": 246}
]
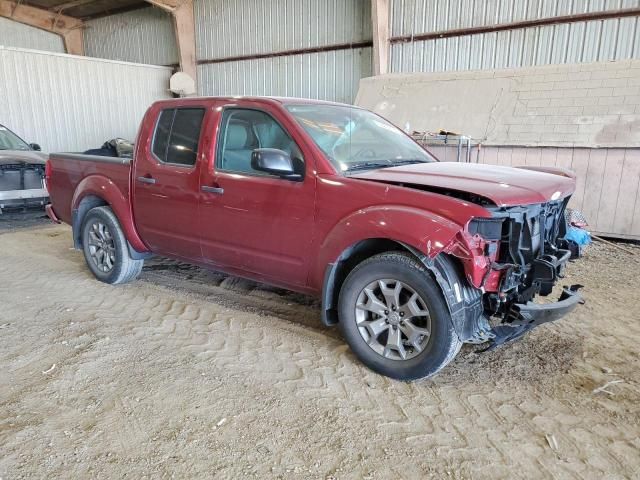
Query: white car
[{"x": 22, "y": 182}]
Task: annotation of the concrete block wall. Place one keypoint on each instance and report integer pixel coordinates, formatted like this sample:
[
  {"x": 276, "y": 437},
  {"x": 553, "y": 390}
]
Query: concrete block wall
[{"x": 580, "y": 105}]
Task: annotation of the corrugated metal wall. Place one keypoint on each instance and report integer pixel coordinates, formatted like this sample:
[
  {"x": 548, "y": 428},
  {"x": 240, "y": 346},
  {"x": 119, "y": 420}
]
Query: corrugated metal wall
[
  {"x": 601, "y": 40},
  {"x": 16, "y": 34},
  {"x": 232, "y": 28},
  {"x": 70, "y": 103},
  {"x": 426, "y": 16},
  {"x": 240, "y": 28},
  {"x": 246, "y": 28},
  {"x": 141, "y": 36},
  {"x": 327, "y": 75}
]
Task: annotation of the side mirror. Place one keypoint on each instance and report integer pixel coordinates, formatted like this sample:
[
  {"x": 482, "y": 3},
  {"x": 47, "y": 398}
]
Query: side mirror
[
  {"x": 274, "y": 162},
  {"x": 35, "y": 146}
]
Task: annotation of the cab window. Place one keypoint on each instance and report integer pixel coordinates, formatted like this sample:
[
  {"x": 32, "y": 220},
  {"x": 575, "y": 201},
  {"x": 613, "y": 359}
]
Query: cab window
[
  {"x": 245, "y": 130},
  {"x": 177, "y": 135}
]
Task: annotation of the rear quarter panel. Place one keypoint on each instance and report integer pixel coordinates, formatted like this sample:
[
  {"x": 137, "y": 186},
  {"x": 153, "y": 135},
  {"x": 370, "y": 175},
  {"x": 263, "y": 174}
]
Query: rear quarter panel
[
  {"x": 69, "y": 171},
  {"x": 74, "y": 177}
]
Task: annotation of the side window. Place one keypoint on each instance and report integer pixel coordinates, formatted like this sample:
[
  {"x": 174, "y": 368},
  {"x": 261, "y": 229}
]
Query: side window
[
  {"x": 177, "y": 135},
  {"x": 244, "y": 131},
  {"x": 161, "y": 137}
]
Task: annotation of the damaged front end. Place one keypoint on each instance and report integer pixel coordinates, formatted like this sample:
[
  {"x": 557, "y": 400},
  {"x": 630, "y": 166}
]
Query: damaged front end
[
  {"x": 513, "y": 256},
  {"x": 22, "y": 186}
]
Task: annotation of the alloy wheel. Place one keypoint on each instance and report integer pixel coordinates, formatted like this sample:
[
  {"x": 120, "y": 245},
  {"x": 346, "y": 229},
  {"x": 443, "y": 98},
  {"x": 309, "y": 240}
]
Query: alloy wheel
[
  {"x": 393, "y": 319},
  {"x": 102, "y": 247}
]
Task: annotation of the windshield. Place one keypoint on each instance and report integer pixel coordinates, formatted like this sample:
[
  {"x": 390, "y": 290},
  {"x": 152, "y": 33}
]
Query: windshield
[
  {"x": 355, "y": 139},
  {"x": 10, "y": 141}
]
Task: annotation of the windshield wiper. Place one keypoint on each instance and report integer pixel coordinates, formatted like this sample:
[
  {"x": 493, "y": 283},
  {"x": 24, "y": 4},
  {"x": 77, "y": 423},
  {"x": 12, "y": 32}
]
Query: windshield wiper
[
  {"x": 368, "y": 165},
  {"x": 407, "y": 162},
  {"x": 385, "y": 164}
]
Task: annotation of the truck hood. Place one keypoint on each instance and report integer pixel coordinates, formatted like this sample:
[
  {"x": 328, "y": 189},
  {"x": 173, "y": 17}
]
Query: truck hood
[
  {"x": 503, "y": 186},
  {"x": 12, "y": 157}
]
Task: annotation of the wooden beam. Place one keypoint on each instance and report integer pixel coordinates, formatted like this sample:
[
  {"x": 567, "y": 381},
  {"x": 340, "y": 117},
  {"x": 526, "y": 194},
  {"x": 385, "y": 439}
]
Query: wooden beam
[
  {"x": 184, "y": 28},
  {"x": 168, "y": 5},
  {"x": 69, "y": 28},
  {"x": 67, "y": 5},
  {"x": 380, "y": 16}
]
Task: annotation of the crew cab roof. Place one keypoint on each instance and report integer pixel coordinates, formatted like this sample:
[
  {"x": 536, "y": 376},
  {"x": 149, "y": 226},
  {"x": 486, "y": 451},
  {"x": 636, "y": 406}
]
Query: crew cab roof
[{"x": 235, "y": 98}]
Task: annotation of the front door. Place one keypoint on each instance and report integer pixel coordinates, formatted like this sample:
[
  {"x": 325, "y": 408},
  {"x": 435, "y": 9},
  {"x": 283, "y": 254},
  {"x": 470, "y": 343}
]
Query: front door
[
  {"x": 166, "y": 183},
  {"x": 254, "y": 222}
]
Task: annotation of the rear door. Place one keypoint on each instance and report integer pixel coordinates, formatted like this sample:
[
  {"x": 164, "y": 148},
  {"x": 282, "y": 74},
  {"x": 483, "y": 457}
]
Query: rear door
[
  {"x": 251, "y": 221},
  {"x": 166, "y": 182}
]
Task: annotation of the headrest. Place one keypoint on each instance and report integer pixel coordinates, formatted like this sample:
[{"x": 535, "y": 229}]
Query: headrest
[{"x": 236, "y": 136}]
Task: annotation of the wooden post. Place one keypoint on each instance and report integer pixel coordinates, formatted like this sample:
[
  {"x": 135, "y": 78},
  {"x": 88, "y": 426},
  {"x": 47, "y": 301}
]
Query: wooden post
[
  {"x": 69, "y": 28},
  {"x": 380, "y": 15},
  {"x": 73, "y": 41},
  {"x": 184, "y": 27}
]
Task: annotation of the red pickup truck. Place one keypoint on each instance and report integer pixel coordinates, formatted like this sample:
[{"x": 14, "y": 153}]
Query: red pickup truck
[{"x": 410, "y": 256}]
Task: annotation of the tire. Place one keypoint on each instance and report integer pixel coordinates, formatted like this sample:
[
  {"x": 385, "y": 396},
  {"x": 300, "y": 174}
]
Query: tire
[
  {"x": 429, "y": 341},
  {"x": 105, "y": 248}
]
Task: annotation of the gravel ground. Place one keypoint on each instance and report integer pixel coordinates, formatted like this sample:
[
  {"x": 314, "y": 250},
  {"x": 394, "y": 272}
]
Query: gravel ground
[
  {"x": 186, "y": 373},
  {"x": 11, "y": 221}
]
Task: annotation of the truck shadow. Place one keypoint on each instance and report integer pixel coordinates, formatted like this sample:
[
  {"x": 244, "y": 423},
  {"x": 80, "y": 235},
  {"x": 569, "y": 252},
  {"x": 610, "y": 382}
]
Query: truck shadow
[
  {"x": 235, "y": 292},
  {"x": 538, "y": 358}
]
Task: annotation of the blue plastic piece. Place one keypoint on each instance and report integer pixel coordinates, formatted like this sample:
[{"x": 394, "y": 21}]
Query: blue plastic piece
[{"x": 578, "y": 235}]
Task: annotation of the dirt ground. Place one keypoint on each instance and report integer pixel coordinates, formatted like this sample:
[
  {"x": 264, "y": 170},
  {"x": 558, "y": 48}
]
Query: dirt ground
[{"x": 187, "y": 373}]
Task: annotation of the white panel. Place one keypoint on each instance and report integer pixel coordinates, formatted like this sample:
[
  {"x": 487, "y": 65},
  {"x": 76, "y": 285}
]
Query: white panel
[
  {"x": 594, "y": 41},
  {"x": 424, "y": 16},
  {"x": 70, "y": 103},
  {"x": 15, "y": 34},
  {"x": 244, "y": 27},
  {"x": 142, "y": 36},
  {"x": 327, "y": 75},
  {"x": 234, "y": 28}
]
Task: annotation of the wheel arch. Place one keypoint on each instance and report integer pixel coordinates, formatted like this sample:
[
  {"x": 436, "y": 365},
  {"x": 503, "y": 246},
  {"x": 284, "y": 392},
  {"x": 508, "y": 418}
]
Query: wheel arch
[
  {"x": 463, "y": 301},
  {"x": 95, "y": 191},
  {"x": 370, "y": 231},
  {"x": 337, "y": 272},
  {"x": 79, "y": 212}
]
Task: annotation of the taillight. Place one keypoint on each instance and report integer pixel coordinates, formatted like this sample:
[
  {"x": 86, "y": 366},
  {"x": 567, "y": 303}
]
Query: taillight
[{"x": 47, "y": 174}]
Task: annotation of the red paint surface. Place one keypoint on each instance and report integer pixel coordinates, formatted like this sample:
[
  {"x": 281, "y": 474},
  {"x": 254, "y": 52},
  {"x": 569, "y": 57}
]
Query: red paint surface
[
  {"x": 283, "y": 232},
  {"x": 502, "y": 185}
]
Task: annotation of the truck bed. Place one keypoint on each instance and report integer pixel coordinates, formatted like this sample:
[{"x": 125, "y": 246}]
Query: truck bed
[{"x": 68, "y": 170}]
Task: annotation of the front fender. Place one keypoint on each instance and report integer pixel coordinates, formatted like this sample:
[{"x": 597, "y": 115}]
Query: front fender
[
  {"x": 417, "y": 228},
  {"x": 105, "y": 189}
]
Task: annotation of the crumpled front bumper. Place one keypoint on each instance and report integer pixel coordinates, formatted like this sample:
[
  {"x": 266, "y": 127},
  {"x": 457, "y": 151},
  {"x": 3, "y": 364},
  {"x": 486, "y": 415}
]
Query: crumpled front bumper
[
  {"x": 530, "y": 315},
  {"x": 534, "y": 314}
]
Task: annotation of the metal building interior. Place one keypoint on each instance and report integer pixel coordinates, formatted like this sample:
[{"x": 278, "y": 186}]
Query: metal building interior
[{"x": 191, "y": 372}]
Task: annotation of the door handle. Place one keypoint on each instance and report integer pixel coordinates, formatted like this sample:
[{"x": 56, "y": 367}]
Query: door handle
[
  {"x": 148, "y": 180},
  {"x": 218, "y": 190}
]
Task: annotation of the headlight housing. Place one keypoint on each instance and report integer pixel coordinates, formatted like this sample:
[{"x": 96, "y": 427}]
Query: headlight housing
[{"x": 489, "y": 229}]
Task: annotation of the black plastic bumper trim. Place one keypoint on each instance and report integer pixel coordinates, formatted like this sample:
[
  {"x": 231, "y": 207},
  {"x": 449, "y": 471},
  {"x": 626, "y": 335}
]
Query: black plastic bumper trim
[
  {"x": 329, "y": 312},
  {"x": 534, "y": 314},
  {"x": 531, "y": 315}
]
